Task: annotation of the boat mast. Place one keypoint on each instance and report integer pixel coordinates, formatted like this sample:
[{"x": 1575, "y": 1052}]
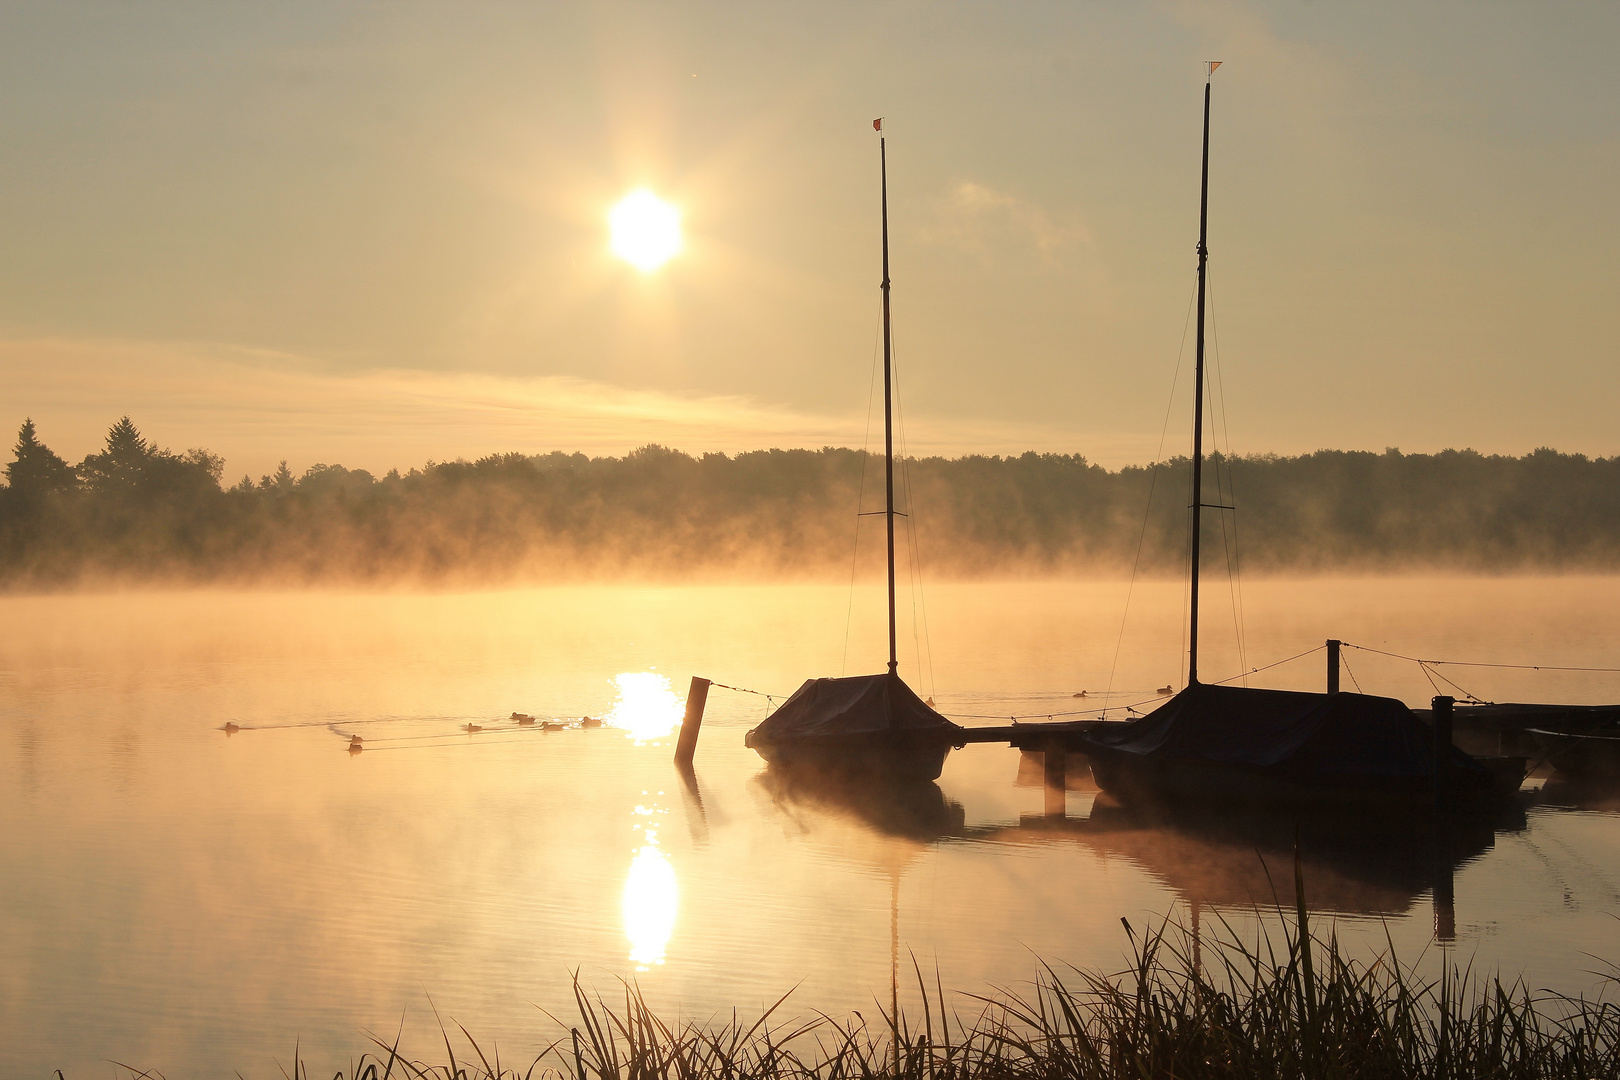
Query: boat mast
[
  {"x": 888, "y": 408},
  {"x": 1198, "y": 399}
]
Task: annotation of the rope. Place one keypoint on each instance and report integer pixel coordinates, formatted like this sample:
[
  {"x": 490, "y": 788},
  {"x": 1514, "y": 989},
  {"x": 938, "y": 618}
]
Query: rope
[
  {"x": 1048, "y": 715},
  {"x": 1344, "y": 662},
  {"x": 1268, "y": 667},
  {"x": 1476, "y": 663}
]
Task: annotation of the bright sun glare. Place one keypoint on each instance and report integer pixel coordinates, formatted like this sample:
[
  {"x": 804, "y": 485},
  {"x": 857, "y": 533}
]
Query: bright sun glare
[
  {"x": 645, "y": 230},
  {"x": 647, "y": 708}
]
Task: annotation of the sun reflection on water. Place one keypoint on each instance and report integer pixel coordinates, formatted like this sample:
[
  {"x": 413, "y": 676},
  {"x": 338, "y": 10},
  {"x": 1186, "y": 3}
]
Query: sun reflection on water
[
  {"x": 651, "y": 899},
  {"x": 647, "y": 708}
]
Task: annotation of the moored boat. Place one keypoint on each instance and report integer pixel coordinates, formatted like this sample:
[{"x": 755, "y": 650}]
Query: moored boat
[
  {"x": 868, "y": 724},
  {"x": 1231, "y": 745}
]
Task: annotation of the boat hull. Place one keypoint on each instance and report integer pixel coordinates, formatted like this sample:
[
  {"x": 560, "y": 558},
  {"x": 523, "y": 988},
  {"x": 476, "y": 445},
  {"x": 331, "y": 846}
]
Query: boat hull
[
  {"x": 888, "y": 755},
  {"x": 1134, "y": 778}
]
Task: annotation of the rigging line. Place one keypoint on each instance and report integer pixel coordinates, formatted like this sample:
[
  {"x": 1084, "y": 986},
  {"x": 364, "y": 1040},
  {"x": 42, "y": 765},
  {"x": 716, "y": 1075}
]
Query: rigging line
[
  {"x": 1234, "y": 568},
  {"x": 745, "y": 690},
  {"x": 1466, "y": 695},
  {"x": 1467, "y": 663},
  {"x": 914, "y": 550},
  {"x": 1153, "y": 480},
  {"x": 1427, "y": 675},
  {"x": 1049, "y": 715},
  {"x": 860, "y": 494},
  {"x": 1353, "y": 680},
  {"x": 1268, "y": 667}
]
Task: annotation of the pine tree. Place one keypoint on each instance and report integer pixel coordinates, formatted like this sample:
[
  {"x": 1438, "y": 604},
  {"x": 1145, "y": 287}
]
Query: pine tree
[
  {"x": 124, "y": 463},
  {"x": 37, "y": 470}
]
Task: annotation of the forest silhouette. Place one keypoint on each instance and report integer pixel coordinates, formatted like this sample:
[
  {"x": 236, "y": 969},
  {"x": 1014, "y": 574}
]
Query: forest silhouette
[{"x": 135, "y": 512}]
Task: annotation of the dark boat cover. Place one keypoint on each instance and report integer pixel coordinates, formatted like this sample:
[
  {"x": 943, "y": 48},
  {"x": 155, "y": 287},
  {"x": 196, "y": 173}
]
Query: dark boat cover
[
  {"x": 860, "y": 705},
  {"x": 1327, "y": 736}
]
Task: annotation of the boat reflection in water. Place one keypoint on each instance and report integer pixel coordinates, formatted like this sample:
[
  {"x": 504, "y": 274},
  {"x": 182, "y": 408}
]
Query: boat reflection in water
[
  {"x": 894, "y": 808},
  {"x": 1234, "y": 859}
]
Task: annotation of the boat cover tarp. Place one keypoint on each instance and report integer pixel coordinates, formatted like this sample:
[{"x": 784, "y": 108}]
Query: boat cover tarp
[
  {"x": 1324, "y": 735},
  {"x": 859, "y": 705}
]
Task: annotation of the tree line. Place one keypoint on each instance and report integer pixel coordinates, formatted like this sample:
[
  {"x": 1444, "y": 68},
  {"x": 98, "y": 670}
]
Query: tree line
[{"x": 133, "y": 511}]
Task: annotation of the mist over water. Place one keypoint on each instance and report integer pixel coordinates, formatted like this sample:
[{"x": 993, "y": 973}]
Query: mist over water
[{"x": 187, "y": 900}]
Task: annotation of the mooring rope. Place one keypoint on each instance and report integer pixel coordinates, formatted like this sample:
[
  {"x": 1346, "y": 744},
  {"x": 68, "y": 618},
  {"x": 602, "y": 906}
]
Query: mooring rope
[{"x": 1478, "y": 663}]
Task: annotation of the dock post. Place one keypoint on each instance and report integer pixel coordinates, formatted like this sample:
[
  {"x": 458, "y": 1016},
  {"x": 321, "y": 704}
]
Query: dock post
[
  {"x": 1440, "y": 714},
  {"x": 696, "y": 698},
  {"x": 1056, "y": 780},
  {"x": 1333, "y": 665}
]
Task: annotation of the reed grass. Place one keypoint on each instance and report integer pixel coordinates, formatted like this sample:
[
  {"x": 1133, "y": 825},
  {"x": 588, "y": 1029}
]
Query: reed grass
[{"x": 1189, "y": 1006}]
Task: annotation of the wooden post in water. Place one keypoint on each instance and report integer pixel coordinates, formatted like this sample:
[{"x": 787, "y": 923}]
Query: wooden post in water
[
  {"x": 696, "y": 699},
  {"x": 1055, "y": 768},
  {"x": 1440, "y": 714},
  {"x": 1333, "y": 665}
]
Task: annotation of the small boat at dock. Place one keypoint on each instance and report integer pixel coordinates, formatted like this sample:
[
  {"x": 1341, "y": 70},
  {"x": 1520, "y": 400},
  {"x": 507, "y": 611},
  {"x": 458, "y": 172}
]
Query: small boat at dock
[
  {"x": 1214, "y": 745},
  {"x": 868, "y": 724}
]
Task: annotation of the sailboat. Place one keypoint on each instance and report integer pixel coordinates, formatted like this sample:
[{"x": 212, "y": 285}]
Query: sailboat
[
  {"x": 1223, "y": 744},
  {"x": 864, "y": 724}
]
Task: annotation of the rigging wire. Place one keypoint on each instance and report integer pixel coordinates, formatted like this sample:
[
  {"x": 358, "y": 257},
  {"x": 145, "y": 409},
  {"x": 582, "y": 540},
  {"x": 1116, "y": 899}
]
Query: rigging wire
[
  {"x": 1153, "y": 480},
  {"x": 1345, "y": 663},
  {"x": 1226, "y": 494},
  {"x": 1268, "y": 667},
  {"x": 1480, "y": 664},
  {"x": 860, "y": 491},
  {"x": 914, "y": 551}
]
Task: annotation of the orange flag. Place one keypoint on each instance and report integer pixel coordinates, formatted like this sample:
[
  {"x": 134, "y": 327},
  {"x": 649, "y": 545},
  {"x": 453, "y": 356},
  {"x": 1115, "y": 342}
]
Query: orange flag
[
  {"x": 877, "y": 125},
  {"x": 1213, "y": 64}
]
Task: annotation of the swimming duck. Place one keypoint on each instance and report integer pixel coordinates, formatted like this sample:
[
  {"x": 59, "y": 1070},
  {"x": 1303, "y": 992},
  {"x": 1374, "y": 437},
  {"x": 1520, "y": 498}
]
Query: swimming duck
[
  {"x": 523, "y": 719},
  {"x": 1165, "y": 691},
  {"x": 230, "y": 728},
  {"x": 590, "y": 721},
  {"x": 471, "y": 728}
]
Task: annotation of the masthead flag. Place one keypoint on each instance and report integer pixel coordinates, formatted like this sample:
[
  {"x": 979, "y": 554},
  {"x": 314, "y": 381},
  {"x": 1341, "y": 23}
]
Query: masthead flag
[
  {"x": 877, "y": 125},
  {"x": 1213, "y": 64}
]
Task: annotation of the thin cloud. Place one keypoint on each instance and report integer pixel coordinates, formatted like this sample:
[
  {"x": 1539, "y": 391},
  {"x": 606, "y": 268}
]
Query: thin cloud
[
  {"x": 257, "y": 407},
  {"x": 976, "y": 217}
]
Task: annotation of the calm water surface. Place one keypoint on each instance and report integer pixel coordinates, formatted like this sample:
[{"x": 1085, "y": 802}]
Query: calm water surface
[{"x": 186, "y": 900}]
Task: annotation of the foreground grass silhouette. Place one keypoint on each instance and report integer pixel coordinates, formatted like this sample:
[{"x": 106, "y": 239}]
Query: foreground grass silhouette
[{"x": 1186, "y": 1008}]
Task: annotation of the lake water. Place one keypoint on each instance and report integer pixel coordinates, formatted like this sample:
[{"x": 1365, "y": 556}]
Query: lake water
[{"x": 185, "y": 900}]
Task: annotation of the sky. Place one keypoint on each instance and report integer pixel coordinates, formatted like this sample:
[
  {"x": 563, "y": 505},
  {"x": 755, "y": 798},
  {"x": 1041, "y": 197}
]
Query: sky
[{"x": 376, "y": 233}]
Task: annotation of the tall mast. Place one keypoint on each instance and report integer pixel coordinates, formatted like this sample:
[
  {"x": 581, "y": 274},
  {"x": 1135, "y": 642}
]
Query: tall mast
[
  {"x": 888, "y": 408},
  {"x": 1198, "y": 402}
]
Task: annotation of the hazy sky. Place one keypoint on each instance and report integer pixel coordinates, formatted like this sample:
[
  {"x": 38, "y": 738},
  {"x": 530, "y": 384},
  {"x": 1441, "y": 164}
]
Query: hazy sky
[{"x": 376, "y": 233}]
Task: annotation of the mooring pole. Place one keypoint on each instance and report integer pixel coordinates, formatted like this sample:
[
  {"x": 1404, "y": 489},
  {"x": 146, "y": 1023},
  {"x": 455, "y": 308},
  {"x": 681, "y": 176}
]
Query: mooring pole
[
  {"x": 1333, "y": 665},
  {"x": 696, "y": 698},
  {"x": 1440, "y": 714},
  {"x": 1445, "y": 891}
]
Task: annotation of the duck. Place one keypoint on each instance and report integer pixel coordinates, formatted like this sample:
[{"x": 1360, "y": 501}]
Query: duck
[
  {"x": 470, "y": 728},
  {"x": 1165, "y": 691},
  {"x": 355, "y": 748},
  {"x": 355, "y": 740},
  {"x": 552, "y": 725},
  {"x": 590, "y": 721},
  {"x": 1083, "y": 693},
  {"x": 230, "y": 728},
  {"x": 522, "y": 718}
]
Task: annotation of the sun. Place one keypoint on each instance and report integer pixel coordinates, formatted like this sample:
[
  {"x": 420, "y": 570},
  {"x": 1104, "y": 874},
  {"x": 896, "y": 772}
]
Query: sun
[{"x": 645, "y": 230}]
